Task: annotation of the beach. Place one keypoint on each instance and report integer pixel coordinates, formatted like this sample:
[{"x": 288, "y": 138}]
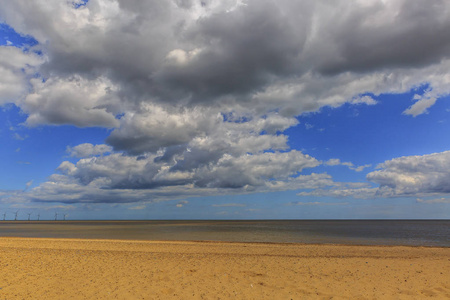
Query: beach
[{"x": 39, "y": 268}]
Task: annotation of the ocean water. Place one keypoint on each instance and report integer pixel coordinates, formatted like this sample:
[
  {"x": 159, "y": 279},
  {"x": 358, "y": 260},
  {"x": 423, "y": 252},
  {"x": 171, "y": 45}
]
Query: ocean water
[{"x": 350, "y": 232}]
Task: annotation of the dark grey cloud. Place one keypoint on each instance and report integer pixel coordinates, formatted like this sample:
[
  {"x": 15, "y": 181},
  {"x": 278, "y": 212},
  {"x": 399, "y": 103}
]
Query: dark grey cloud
[
  {"x": 386, "y": 35},
  {"x": 228, "y": 54},
  {"x": 239, "y": 51}
]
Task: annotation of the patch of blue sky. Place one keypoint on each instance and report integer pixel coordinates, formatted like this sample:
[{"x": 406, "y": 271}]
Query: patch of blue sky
[
  {"x": 233, "y": 118},
  {"x": 9, "y": 37},
  {"x": 79, "y": 3},
  {"x": 35, "y": 153},
  {"x": 364, "y": 134}
]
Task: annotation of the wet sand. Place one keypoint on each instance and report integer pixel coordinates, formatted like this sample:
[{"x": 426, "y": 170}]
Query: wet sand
[{"x": 33, "y": 268}]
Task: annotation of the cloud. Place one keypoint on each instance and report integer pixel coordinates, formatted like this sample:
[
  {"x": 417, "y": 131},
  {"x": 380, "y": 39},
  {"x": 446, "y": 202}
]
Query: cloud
[
  {"x": 364, "y": 100},
  {"x": 229, "y": 205},
  {"x": 342, "y": 191},
  {"x": 220, "y": 54},
  {"x": 118, "y": 171},
  {"x": 198, "y": 94},
  {"x": 16, "y": 66},
  {"x": 28, "y": 184},
  {"x": 413, "y": 175},
  {"x": 434, "y": 201},
  {"x": 74, "y": 100},
  {"x": 155, "y": 127},
  {"x": 86, "y": 150},
  {"x": 182, "y": 203},
  {"x": 423, "y": 102},
  {"x": 19, "y": 137},
  {"x": 119, "y": 178},
  {"x": 350, "y": 165},
  {"x": 138, "y": 207},
  {"x": 316, "y": 203},
  {"x": 407, "y": 176}
]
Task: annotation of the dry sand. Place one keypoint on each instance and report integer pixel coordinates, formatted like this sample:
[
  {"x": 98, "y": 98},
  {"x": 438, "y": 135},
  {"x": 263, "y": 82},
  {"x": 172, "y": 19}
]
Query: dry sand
[{"x": 106, "y": 269}]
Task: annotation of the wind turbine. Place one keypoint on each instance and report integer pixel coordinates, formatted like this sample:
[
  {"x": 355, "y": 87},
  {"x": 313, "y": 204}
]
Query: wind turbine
[
  {"x": 65, "y": 217},
  {"x": 29, "y": 216},
  {"x": 56, "y": 216},
  {"x": 38, "y": 216},
  {"x": 4, "y": 216},
  {"x": 15, "y": 215}
]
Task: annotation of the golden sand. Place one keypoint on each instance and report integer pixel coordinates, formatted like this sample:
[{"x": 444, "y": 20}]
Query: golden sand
[{"x": 107, "y": 269}]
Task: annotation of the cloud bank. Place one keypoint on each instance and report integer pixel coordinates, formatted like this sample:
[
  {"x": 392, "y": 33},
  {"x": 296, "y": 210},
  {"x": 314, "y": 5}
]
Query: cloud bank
[{"x": 198, "y": 94}]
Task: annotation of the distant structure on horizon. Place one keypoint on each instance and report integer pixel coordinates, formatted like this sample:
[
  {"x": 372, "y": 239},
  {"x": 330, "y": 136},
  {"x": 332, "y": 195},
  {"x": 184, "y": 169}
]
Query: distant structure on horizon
[
  {"x": 15, "y": 215},
  {"x": 56, "y": 216},
  {"x": 29, "y": 216},
  {"x": 64, "y": 218},
  {"x": 4, "y": 216},
  {"x": 38, "y": 216}
]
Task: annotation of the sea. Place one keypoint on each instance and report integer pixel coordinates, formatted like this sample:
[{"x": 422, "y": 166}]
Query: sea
[{"x": 347, "y": 232}]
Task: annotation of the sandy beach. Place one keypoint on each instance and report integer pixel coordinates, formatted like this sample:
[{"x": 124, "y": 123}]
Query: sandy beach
[{"x": 114, "y": 269}]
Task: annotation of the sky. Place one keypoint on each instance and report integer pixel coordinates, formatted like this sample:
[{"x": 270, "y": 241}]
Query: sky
[{"x": 231, "y": 109}]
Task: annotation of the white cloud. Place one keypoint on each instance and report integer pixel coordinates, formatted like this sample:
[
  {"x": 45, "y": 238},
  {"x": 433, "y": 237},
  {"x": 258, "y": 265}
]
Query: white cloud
[
  {"x": 413, "y": 175},
  {"x": 229, "y": 205},
  {"x": 317, "y": 203},
  {"x": 350, "y": 165},
  {"x": 86, "y": 150},
  {"x": 28, "y": 184},
  {"x": 342, "y": 191},
  {"x": 408, "y": 176},
  {"x": 182, "y": 203},
  {"x": 15, "y": 68},
  {"x": 421, "y": 106},
  {"x": 364, "y": 100},
  {"x": 137, "y": 207},
  {"x": 434, "y": 201}
]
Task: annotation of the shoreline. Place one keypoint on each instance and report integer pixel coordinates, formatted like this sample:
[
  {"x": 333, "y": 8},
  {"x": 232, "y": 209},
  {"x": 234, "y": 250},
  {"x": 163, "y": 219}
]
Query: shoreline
[
  {"x": 53, "y": 268},
  {"x": 214, "y": 242}
]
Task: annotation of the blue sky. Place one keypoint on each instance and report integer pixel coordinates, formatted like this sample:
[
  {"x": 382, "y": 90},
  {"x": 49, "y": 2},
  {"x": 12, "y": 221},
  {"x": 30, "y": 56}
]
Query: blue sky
[{"x": 236, "y": 110}]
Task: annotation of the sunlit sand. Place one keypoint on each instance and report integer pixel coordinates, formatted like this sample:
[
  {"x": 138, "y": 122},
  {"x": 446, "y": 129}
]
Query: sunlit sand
[{"x": 113, "y": 269}]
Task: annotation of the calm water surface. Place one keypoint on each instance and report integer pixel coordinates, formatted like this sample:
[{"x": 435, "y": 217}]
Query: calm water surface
[{"x": 354, "y": 232}]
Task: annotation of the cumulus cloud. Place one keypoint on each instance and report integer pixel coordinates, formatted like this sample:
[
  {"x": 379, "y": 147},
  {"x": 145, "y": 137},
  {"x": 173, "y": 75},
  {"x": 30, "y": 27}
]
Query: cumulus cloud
[
  {"x": 118, "y": 171},
  {"x": 417, "y": 175},
  {"x": 413, "y": 175},
  {"x": 16, "y": 67},
  {"x": 120, "y": 178},
  {"x": 76, "y": 100},
  {"x": 182, "y": 52},
  {"x": 86, "y": 150}
]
